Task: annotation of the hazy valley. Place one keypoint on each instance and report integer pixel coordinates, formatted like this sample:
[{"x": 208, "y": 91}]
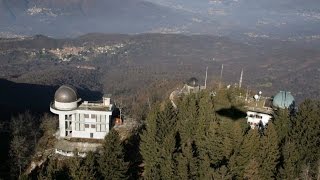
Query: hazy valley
[{"x": 139, "y": 62}]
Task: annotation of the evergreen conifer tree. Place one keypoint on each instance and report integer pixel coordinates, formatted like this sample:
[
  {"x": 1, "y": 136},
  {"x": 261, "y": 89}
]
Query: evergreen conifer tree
[
  {"x": 249, "y": 150},
  {"x": 269, "y": 153},
  {"x": 83, "y": 169},
  {"x": 282, "y": 124},
  {"x": 222, "y": 173},
  {"x": 305, "y": 133},
  {"x": 149, "y": 147},
  {"x": 290, "y": 161},
  {"x": 158, "y": 142},
  {"x": 251, "y": 171},
  {"x": 111, "y": 161}
]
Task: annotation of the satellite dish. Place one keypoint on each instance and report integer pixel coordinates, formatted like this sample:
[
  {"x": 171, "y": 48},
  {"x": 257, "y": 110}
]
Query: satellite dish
[{"x": 256, "y": 97}]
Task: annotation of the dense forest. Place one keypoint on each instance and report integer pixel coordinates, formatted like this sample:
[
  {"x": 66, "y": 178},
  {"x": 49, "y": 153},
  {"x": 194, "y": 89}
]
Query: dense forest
[{"x": 206, "y": 137}]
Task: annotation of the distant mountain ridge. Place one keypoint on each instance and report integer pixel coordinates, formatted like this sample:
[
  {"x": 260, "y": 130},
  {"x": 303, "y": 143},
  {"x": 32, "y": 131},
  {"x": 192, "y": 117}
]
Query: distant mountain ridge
[
  {"x": 76, "y": 17},
  {"x": 293, "y": 20}
]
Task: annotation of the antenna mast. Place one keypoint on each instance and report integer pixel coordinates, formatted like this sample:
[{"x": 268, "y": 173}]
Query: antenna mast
[
  {"x": 221, "y": 73},
  {"x": 205, "y": 82},
  {"x": 240, "y": 81}
]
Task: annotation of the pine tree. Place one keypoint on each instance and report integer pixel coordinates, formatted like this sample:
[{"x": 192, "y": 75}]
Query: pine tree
[
  {"x": 187, "y": 118},
  {"x": 282, "y": 124},
  {"x": 222, "y": 173},
  {"x": 269, "y": 153},
  {"x": 149, "y": 146},
  {"x": 207, "y": 140},
  {"x": 290, "y": 161},
  {"x": 111, "y": 161},
  {"x": 249, "y": 150},
  {"x": 158, "y": 142},
  {"x": 182, "y": 171},
  {"x": 251, "y": 171},
  {"x": 167, "y": 157},
  {"x": 191, "y": 161},
  {"x": 305, "y": 132},
  {"x": 83, "y": 169},
  {"x": 237, "y": 137},
  {"x": 53, "y": 170}
]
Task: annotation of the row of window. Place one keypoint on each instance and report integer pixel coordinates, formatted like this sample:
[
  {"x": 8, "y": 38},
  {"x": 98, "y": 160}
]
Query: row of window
[
  {"x": 92, "y": 126},
  {"x": 82, "y": 117},
  {"x": 93, "y": 116},
  {"x": 98, "y": 127},
  {"x": 255, "y": 116}
]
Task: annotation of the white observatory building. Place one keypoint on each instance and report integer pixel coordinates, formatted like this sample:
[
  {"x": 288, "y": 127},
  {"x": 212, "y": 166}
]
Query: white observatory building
[
  {"x": 81, "y": 119},
  {"x": 260, "y": 109}
]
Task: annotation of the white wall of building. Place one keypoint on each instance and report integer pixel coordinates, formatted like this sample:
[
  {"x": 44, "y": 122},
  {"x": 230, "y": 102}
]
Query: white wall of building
[
  {"x": 83, "y": 123},
  {"x": 254, "y": 118},
  {"x": 66, "y": 106}
]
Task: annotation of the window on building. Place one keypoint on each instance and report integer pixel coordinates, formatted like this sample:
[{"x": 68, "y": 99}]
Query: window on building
[
  {"x": 93, "y": 126},
  {"x": 91, "y": 135},
  {"x": 77, "y": 126},
  {"x": 86, "y": 125},
  {"x": 98, "y": 118},
  {"x": 93, "y": 116},
  {"x": 68, "y": 117},
  {"x": 86, "y": 115},
  {"x": 81, "y": 117},
  {"x": 103, "y": 118},
  {"x": 103, "y": 127}
]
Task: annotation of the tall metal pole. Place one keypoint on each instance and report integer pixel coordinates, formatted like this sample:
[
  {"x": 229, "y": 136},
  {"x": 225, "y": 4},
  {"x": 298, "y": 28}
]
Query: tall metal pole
[
  {"x": 205, "y": 82},
  {"x": 240, "y": 81},
  {"x": 221, "y": 73}
]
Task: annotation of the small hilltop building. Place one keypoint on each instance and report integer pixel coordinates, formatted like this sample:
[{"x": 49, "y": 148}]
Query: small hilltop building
[
  {"x": 190, "y": 86},
  {"x": 260, "y": 109},
  {"x": 89, "y": 121}
]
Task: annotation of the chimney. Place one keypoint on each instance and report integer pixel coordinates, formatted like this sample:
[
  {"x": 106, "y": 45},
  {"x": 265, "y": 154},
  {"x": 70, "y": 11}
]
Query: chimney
[{"x": 107, "y": 99}]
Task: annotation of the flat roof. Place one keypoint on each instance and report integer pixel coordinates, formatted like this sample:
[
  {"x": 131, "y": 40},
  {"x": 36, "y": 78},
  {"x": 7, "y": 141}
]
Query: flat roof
[
  {"x": 260, "y": 110},
  {"x": 94, "y": 106},
  {"x": 261, "y": 105}
]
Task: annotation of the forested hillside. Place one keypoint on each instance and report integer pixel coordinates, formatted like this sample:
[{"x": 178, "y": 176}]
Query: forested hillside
[
  {"x": 196, "y": 141},
  {"x": 205, "y": 134},
  {"x": 193, "y": 142}
]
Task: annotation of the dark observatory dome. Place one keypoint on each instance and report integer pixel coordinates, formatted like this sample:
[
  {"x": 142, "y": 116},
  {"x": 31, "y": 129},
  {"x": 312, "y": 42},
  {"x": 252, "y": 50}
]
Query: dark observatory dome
[
  {"x": 66, "y": 94},
  {"x": 193, "y": 82}
]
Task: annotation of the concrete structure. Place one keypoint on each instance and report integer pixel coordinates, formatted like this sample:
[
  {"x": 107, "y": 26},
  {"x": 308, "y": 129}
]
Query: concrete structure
[
  {"x": 191, "y": 86},
  {"x": 81, "y": 120},
  {"x": 260, "y": 109}
]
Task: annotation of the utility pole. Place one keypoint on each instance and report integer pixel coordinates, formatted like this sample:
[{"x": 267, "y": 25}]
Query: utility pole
[
  {"x": 221, "y": 73},
  {"x": 205, "y": 82},
  {"x": 247, "y": 93},
  {"x": 240, "y": 81},
  {"x": 149, "y": 104}
]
